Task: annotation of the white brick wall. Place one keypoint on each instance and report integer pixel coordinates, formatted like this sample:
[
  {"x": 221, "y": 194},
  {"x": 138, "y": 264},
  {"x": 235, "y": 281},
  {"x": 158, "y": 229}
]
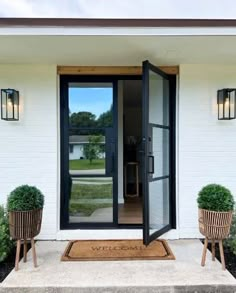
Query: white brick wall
[
  {"x": 28, "y": 148},
  {"x": 207, "y": 147}
]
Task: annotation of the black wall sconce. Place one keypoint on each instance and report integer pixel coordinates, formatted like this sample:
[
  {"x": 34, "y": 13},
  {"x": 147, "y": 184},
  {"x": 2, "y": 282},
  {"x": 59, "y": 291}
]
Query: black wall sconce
[
  {"x": 226, "y": 100},
  {"x": 9, "y": 105}
]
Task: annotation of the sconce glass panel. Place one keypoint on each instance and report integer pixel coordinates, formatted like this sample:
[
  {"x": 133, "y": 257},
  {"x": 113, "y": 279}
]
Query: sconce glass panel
[
  {"x": 226, "y": 100},
  {"x": 9, "y": 105}
]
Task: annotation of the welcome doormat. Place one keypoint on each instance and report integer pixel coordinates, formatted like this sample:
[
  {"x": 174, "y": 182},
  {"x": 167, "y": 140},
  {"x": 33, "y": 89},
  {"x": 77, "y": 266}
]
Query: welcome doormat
[{"x": 89, "y": 250}]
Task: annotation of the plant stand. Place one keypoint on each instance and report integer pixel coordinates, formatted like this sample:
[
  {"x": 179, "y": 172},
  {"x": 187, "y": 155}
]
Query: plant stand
[
  {"x": 25, "y": 225},
  {"x": 215, "y": 226},
  {"x": 213, "y": 242},
  {"x": 18, "y": 248}
]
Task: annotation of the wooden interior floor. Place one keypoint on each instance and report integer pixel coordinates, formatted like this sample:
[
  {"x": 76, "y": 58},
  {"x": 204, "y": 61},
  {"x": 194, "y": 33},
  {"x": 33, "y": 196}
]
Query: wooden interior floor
[{"x": 131, "y": 212}]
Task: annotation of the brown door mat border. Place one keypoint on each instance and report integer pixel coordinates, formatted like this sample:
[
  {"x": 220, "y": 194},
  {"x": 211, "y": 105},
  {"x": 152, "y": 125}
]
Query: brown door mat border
[{"x": 106, "y": 250}]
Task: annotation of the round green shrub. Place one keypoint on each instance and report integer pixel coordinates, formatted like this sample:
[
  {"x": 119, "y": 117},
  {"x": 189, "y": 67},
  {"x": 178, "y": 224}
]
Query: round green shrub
[
  {"x": 6, "y": 244},
  {"x": 215, "y": 197},
  {"x": 25, "y": 198}
]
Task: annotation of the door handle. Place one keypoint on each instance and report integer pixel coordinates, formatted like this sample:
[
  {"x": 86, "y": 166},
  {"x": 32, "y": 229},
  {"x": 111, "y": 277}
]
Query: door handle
[{"x": 151, "y": 166}]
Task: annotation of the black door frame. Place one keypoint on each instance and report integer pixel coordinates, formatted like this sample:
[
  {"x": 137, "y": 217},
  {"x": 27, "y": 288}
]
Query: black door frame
[
  {"x": 64, "y": 120},
  {"x": 172, "y": 156},
  {"x": 64, "y": 149}
]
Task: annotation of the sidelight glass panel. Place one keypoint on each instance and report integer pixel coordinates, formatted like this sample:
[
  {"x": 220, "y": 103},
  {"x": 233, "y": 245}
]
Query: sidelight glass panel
[
  {"x": 158, "y": 99},
  {"x": 90, "y": 104},
  {"x": 87, "y": 151},
  {"x": 90, "y": 153},
  {"x": 158, "y": 204},
  {"x": 160, "y": 145},
  {"x": 91, "y": 199}
]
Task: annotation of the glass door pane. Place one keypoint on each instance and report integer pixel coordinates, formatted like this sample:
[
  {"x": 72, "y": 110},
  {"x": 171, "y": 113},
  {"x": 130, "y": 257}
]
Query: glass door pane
[
  {"x": 158, "y": 213},
  {"x": 156, "y": 160},
  {"x": 91, "y": 200},
  {"x": 91, "y": 153}
]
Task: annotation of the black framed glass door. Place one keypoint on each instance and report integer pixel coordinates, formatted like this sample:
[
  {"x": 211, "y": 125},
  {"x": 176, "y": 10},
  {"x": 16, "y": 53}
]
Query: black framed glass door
[
  {"x": 157, "y": 156},
  {"x": 89, "y": 146}
]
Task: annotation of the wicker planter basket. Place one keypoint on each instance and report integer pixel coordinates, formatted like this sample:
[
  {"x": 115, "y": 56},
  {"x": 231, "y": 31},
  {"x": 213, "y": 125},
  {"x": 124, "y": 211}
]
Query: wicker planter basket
[
  {"x": 214, "y": 225},
  {"x": 25, "y": 224}
]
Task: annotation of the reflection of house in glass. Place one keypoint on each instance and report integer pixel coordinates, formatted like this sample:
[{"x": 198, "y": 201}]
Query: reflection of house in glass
[{"x": 77, "y": 144}]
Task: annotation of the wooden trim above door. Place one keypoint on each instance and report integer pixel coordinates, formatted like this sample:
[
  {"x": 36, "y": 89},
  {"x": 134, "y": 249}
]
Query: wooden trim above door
[{"x": 111, "y": 70}]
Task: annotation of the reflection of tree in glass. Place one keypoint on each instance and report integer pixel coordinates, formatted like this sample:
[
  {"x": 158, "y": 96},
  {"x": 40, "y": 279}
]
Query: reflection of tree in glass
[
  {"x": 88, "y": 119},
  {"x": 94, "y": 148},
  {"x": 105, "y": 119},
  {"x": 83, "y": 119}
]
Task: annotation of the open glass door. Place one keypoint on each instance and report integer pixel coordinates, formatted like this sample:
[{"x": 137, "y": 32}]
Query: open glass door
[{"x": 156, "y": 153}]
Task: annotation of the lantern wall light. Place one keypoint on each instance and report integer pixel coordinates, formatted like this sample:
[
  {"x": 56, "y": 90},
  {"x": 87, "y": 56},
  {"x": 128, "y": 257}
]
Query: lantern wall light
[
  {"x": 9, "y": 105},
  {"x": 226, "y": 100}
]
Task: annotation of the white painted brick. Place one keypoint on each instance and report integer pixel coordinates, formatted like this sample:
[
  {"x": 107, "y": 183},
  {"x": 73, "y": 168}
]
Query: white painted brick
[
  {"x": 207, "y": 147},
  {"x": 28, "y": 148}
]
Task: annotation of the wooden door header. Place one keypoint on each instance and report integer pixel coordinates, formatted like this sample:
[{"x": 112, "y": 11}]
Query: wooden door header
[{"x": 110, "y": 70}]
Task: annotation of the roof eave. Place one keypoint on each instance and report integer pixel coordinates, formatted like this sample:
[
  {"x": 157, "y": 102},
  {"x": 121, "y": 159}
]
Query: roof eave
[{"x": 115, "y": 22}]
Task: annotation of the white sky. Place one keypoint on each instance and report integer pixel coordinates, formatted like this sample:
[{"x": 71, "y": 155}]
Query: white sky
[{"x": 119, "y": 8}]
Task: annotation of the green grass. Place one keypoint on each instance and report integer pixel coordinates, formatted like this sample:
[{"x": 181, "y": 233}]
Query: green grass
[
  {"x": 86, "y": 191},
  {"x": 96, "y": 180},
  {"x": 87, "y": 209},
  {"x": 91, "y": 191},
  {"x": 86, "y": 165}
]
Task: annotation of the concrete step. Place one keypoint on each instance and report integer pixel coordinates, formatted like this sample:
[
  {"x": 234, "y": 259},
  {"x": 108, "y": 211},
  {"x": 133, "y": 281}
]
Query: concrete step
[
  {"x": 128, "y": 289},
  {"x": 185, "y": 274}
]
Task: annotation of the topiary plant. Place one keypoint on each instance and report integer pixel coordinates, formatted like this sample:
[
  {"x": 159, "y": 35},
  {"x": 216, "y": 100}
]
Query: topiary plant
[
  {"x": 215, "y": 197},
  {"x": 6, "y": 244},
  {"x": 25, "y": 198}
]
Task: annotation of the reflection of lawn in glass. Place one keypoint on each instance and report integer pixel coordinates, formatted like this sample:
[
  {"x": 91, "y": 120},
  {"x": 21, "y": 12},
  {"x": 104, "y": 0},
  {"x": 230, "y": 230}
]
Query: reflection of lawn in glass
[
  {"x": 106, "y": 180},
  {"x": 90, "y": 195},
  {"x": 86, "y": 165}
]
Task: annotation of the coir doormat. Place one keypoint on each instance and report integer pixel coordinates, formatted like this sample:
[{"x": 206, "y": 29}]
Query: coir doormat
[{"x": 86, "y": 250}]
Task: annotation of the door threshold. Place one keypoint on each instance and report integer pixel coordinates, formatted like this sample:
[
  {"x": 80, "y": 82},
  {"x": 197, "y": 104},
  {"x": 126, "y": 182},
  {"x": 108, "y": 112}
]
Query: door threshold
[
  {"x": 100, "y": 234},
  {"x": 130, "y": 226},
  {"x": 109, "y": 234}
]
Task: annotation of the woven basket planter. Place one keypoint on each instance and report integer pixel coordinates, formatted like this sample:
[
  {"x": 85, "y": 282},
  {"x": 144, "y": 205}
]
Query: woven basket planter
[
  {"x": 25, "y": 224},
  {"x": 214, "y": 225}
]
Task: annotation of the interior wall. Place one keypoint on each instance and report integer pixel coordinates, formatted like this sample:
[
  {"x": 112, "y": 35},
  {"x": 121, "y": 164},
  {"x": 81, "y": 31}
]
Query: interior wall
[
  {"x": 132, "y": 93},
  {"x": 133, "y": 108}
]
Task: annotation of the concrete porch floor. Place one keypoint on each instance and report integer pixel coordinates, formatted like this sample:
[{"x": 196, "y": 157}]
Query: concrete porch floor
[{"x": 184, "y": 274}]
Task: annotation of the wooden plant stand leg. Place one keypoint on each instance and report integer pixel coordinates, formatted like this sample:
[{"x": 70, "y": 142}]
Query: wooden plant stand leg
[
  {"x": 34, "y": 252},
  {"x": 17, "y": 255},
  {"x": 204, "y": 252},
  {"x": 222, "y": 257},
  {"x": 213, "y": 249},
  {"x": 25, "y": 250}
]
